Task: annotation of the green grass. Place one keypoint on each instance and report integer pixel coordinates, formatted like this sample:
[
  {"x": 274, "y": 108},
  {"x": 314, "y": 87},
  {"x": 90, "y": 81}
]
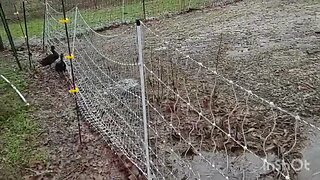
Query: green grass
[
  {"x": 17, "y": 130},
  {"x": 100, "y": 17},
  {"x": 34, "y": 29},
  {"x": 134, "y": 11}
]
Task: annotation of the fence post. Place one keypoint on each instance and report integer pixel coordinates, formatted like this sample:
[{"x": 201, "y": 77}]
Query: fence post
[
  {"x": 70, "y": 56},
  {"x": 26, "y": 33},
  {"x": 74, "y": 34},
  {"x": 18, "y": 18},
  {"x": 144, "y": 9},
  {"x": 143, "y": 97},
  {"x": 44, "y": 25},
  {"x": 6, "y": 27},
  {"x": 1, "y": 44},
  {"x": 123, "y": 11}
]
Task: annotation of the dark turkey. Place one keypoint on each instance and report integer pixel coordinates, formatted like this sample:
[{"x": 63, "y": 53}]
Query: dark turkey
[
  {"x": 61, "y": 65},
  {"x": 47, "y": 61}
]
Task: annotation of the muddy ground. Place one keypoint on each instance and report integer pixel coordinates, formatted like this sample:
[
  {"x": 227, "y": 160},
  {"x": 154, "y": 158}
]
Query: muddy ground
[
  {"x": 56, "y": 115},
  {"x": 269, "y": 47}
]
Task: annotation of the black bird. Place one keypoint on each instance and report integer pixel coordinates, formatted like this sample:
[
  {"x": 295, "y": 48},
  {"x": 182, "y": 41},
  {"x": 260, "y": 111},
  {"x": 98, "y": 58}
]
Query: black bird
[
  {"x": 61, "y": 65},
  {"x": 50, "y": 58}
]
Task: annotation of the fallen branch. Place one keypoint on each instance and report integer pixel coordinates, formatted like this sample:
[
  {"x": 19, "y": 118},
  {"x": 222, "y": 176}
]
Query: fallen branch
[{"x": 17, "y": 91}]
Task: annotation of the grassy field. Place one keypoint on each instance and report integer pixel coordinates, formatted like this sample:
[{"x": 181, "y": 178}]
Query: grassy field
[
  {"x": 18, "y": 132},
  {"x": 103, "y": 16}
]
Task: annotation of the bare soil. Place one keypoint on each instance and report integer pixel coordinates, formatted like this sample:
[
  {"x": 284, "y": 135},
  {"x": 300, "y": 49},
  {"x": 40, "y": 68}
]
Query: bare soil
[
  {"x": 67, "y": 158},
  {"x": 268, "y": 47}
]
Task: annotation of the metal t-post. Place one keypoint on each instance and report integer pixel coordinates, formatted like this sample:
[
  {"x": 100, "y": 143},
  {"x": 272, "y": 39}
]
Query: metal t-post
[
  {"x": 18, "y": 18},
  {"x": 143, "y": 97},
  {"x": 6, "y": 27},
  {"x": 44, "y": 26},
  {"x": 1, "y": 44},
  {"x": 123, "y": 11},
  {"x": 26, "y": 35},
  {"x": 71, "y": 67},
  {"x": 144, "y": 9}
]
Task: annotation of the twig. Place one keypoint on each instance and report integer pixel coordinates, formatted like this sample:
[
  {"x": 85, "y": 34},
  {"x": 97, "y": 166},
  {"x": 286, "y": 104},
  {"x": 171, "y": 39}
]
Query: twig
[
  {"x": 317, "y": 173},
  {"x": 39, "y": 173}
]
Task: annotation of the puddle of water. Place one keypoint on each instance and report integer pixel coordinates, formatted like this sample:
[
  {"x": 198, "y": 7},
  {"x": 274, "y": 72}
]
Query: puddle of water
[
  {"x": 312, "y": 156},
  {"x": 247, "y": 166}
]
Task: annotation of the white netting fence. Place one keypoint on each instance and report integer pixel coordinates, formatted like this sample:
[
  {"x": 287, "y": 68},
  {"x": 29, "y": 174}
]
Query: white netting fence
[
  {"x": 110, "y": 96},
  {"x": 201, "y": 125}
]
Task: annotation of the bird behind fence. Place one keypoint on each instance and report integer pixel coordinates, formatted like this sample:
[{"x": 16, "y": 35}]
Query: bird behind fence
[
  {"x": 61, "y": 65},
  {"x": 47, "y": 61}
]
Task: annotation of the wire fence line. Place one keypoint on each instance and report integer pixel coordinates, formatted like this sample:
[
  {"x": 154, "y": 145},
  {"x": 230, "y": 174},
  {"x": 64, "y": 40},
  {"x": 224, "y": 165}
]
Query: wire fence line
[
  {"x": 99, "y": 14},
  {"x": 200, "y": 125},
  {"x": 113, "y": 11}
]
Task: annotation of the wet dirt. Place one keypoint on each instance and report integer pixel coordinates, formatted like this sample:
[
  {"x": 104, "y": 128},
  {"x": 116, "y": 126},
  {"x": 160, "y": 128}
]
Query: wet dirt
[
  {"x": 269, "y": 47},
  {"x": 66, "y": 157}
]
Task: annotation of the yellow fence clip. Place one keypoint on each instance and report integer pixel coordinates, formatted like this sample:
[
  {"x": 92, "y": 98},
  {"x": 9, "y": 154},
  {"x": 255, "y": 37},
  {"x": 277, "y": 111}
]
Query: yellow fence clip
[
  {"x": 64, "y": 20},
  {"x": 70, "y": 57},
  {"x": 73, "y": 91}
]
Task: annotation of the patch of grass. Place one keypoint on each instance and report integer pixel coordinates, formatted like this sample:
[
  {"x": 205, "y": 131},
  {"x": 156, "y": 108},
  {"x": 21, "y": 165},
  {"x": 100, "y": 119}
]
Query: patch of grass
[
  {"x": 102, "y": 16},
  {"x": 34, "y": 29},
  {"x": 134, "y": 11},
  {"x": 17, "y": 130}
]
